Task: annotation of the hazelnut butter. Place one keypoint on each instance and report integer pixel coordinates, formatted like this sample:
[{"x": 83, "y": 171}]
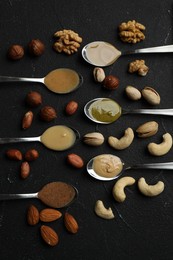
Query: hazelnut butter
[
  {"x": 62, "y": 80},
  {"x": 107, "y": 165}
]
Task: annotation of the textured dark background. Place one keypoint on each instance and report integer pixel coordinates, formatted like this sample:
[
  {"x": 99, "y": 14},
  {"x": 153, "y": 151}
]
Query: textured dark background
[{"x": 143, "y": 227}]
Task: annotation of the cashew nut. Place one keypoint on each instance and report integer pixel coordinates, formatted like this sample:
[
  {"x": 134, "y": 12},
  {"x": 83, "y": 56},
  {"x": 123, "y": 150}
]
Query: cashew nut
[
  {"x": 150, "y": 190},
  {"x": 102, "y": 212},
  {"x": 118, "y": 189},
  {"x": 162, "y": 148},
  {"x": 123, "y": 142}
]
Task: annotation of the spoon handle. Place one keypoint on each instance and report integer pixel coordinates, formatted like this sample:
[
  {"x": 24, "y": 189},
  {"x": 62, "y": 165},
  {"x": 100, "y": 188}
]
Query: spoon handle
[
  {"x": 18, "y": 196},
  {"x": 158, "y": 49},
  {"x": 19, "y": 79},
  {"x": 166, "y": 112},
  {"x": 7, "y": 140},
  {"x": 163, "y": 166}
]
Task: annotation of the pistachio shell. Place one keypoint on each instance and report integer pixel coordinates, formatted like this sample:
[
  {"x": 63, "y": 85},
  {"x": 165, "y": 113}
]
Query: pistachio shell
[
  {"x": 147, "y": 129},
  {"x": 93, "y": 139},
  {"x": 151, "y": 96},
  {"x": 133, "y": 93}
]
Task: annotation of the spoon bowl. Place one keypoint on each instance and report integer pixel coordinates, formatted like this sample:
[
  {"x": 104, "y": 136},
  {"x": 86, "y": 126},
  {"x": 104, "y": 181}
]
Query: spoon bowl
[
  {"x": 107, "y": 110},
  {"x": 115, "y": 167},
  {"x": 102, "y": 54},
  {"x": 60, "y": 81}
]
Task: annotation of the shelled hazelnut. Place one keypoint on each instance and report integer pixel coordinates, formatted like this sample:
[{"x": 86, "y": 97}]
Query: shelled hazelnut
[
  {"x": 48, "y": 113},
  {"x": 15, "y": 52},
  {"x": 111, "y": 82},
  {"x": 34, "y": 99},
  {"x": 36, "y": 47}
]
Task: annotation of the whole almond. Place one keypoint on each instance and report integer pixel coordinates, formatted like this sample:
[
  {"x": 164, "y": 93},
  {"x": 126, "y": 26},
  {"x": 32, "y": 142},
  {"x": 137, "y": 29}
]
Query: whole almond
[
  {"x": 27, "y": 120},
  {"x": 14, "y": 154},
  {"x": 24, "y": 170},
  {"x": 70, "y": 223},
  {"x": 71, "y": 107},
  {"x": 48, "y": 215},
  {"x": 32, "y": 215},
  {"x": 49, "y": 235},
  {"x": 31, "y": 155},
  {"x": 34, "y": 99},
  {"x": 48, "y": 113},
  {"x": 75, "y": 160}
]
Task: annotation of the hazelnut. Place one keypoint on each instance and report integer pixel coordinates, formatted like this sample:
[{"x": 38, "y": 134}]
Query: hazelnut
[
  {"x": 36, "y": 47},
  {"x": 111, "y": 82},
  {"x": 15, "y": 52},
  {"x": 34, "y": 99},
  {"x": 48, "y": 113}
]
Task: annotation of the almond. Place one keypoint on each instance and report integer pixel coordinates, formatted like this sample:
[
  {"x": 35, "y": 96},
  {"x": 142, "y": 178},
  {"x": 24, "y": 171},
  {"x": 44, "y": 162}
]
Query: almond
[
  {"x": 14, "y": 154},
  {"x": 31, "y": 155},
  {"x": 24, "y": 170},
  {"x": 71, "y": 107},
  {"x": 75, "y": 160},
  {"x": 48, "y": 215},
  {"x": 27, "y": 120},
  {"x": 49, "y": 235},
  {"x": 70, "y": 223},
  {"x": 32, "y": 215}
]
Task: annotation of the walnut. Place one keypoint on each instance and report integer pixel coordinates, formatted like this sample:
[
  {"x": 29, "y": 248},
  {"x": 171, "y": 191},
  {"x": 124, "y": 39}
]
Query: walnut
[
  {"x": 139, "y": 67},
  {"x": 67, "y": 41},
  {"x": 131, "y": 32}
]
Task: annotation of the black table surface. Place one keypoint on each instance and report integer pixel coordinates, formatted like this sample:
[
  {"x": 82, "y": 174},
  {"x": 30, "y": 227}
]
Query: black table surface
[{"x": 142, "y": 228}]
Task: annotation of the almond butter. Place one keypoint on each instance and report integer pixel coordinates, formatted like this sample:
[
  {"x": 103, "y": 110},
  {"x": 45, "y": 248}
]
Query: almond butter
[
  {"x": 75, "y": 160},
  {"x": 27, "y": 120},
  {"x": 70, "y": 223},
  {"x": 32, "y": 215},
  {"x": 14, "y": 154},
  {"x": 48, "y": 215},
  {"x": 31, "y": 155},
  {"x": 49, "y": 235},
  {"x": 71, "y": 107},
  {"x": 24, "y": 170}
]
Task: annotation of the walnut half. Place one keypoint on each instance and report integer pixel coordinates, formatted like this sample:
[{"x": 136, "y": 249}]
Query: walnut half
[{"x": 138, "y": 66}]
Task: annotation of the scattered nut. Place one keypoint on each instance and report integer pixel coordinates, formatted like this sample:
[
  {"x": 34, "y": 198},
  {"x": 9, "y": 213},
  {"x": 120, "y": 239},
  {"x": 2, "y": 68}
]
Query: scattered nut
[
  {"x": 102, "y": 212},
  {"x": 48, "y": 113},
  {"x": 75, "y": 160},
  {"x": 99, "y": 74},
  {"x": 15, "y": 52},
  {"x": 118, "y": 189},
  {"x": 27, "y": 120},
  {"x": 133, "y": 93},
  {"x": 139, "y": 67},
  {"x": 147, "y": 129},
  {"x": 31, "y": 155},
  {"x": 151, "y": 96},
  {"x": 70, "y": 223},
  {"x": 36, "y": 47},
  {"x": 93, "y": 139},
  {"x": 162, "y": 148},
  {"x": 111, "y": 82},
  {"x": 67, "y": 41},
  {"x": 34, "y": 99},
  {"x": 24, "y": 170},
  {"x": 131, "y": 32},
  {"x": 32, "y": 215},
  {"x": 124, "y": 142},
  {"x": 49, "y": 215},
  {"x": 71, "y": 107},
  {"x": 14, "y": 154},
  {"x": 49, "y": 235},
  {"x": 150, "y": 190}
]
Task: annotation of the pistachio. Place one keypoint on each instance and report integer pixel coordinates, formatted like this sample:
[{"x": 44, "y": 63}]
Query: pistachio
[
  {"x": 133, "y": 93},
  {"x": 151, "y": 96},
  {"x": 147, "y": 129},
  {"x": 93, "y": 139},
  {"x": 99, "y": 74}
]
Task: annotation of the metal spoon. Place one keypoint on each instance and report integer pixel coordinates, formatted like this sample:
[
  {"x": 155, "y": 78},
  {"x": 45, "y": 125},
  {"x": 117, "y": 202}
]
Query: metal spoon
[
  {"x": 71, "y": 80},
  {"x": 53, "y": 138},
  {"x": 106, "y": 111},
  {"x": 124, "y": 167},
  {"x": 54, "y": 194},
  {"x": 100, "y": 53}
]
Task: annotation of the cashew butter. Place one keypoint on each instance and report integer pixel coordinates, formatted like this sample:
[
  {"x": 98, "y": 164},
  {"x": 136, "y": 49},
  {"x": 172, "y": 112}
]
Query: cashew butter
[{"x": 107, "y": 165}]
